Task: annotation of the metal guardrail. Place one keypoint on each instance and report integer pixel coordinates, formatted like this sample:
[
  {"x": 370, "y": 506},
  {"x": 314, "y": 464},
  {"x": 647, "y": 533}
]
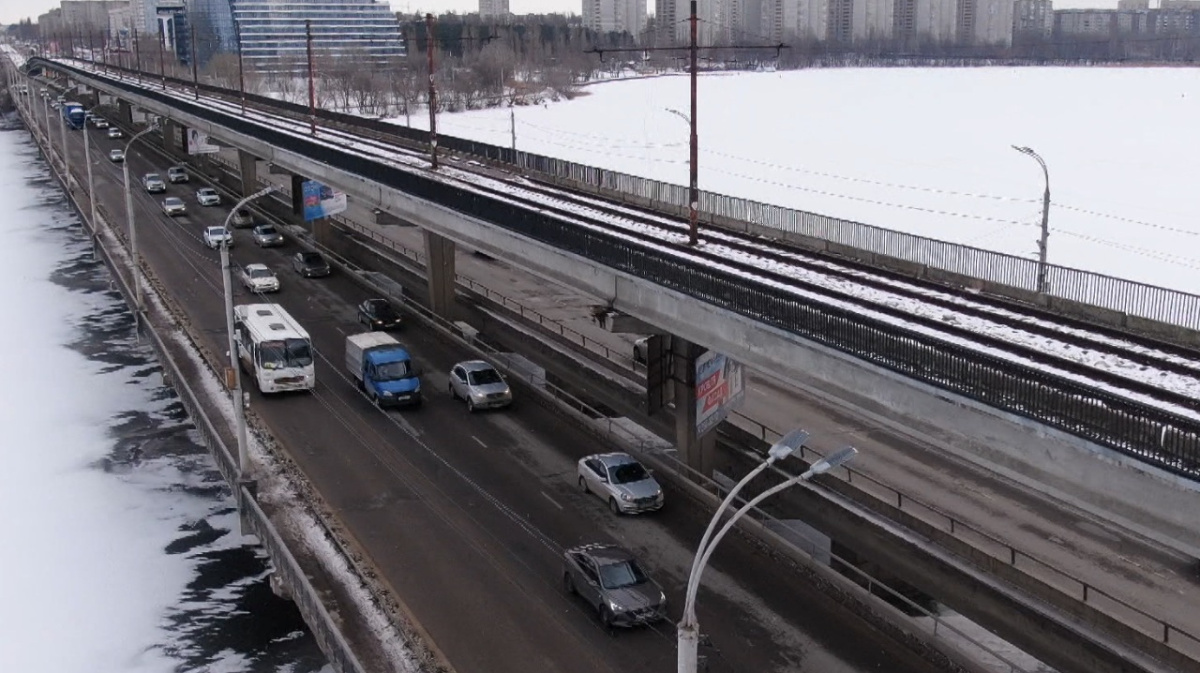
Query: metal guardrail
[
  {"x": 1160, "y": 438},
  {"x": 334, "y": 645},
  {"x": 1070, "y": 586}
]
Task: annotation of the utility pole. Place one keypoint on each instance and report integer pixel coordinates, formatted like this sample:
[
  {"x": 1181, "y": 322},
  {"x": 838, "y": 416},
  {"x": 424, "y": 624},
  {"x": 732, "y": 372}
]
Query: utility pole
[
  {"x": 137, "y": 54},
  {"x": 1044, "y": 240},
  {"x": 512, "y": 124},
  {"x": 694, "y": 144},
  {"x": 433, "y": 159},
  {"x": 195, "y": 76},
  {"x": 312, "y": 86},
  {"x": 162, "y": 67},
  {"x": 241, "y": 72}
]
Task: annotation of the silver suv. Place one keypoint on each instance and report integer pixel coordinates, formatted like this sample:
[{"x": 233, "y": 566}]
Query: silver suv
[
  {"x": 153, "y": 183},
  {"x": 177, "y": 174}
]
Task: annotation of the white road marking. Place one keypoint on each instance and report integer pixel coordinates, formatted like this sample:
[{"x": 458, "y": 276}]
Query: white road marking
[
  {"x": 552, "y": 501},
  {"x": 479, "y": 440}
]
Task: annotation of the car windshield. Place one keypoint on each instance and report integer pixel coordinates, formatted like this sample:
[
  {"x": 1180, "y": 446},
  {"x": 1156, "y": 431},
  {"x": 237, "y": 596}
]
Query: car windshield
[
  {"x": 483, "y": 377},
  {"x": 619, "y": 575},
  {"x": 380, "y": 308},
  {"x": 393, "y": 371},
  {"x": 266, "y": 231},
  {"x": 286, "y": 353},
  {"x": 207, "y": 192},
  {"x": 261, "y": 273},
  {"x": 173, "y": 201},
  {"x": 629, "y": 473},
  {"x": 152, "y": 176},
  {"x": 311, "y": 258}
]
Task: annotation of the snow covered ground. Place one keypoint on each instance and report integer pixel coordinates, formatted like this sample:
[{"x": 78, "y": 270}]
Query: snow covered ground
[{"x": 927, "y": 151}]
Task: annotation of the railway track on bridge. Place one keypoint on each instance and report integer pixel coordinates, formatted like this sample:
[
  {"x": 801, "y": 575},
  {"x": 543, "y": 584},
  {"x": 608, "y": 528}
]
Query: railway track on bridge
[{"x": 1160, "y": 381}]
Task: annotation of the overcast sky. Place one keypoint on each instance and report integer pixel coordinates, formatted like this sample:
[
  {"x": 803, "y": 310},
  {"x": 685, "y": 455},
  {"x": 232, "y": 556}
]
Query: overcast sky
[{"x": 12, "y": 11}]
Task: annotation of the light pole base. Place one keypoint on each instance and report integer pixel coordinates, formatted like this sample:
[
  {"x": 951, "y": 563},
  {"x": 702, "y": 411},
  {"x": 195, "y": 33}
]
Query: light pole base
[{"x": 687, "y": 647}]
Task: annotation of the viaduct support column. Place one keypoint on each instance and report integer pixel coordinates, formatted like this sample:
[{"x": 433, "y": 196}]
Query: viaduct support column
[
  {"x": 248, "y": 168},
  {"x": 697, "y": 451},
  {"x": 439, "y": 255},
  {"x": 170, "y": 133},
  {"x": 125, "y": 113}
]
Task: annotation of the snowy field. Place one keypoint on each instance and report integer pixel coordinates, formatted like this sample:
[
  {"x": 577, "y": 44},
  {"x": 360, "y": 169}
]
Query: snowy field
[{"x": 927, "y": 151}]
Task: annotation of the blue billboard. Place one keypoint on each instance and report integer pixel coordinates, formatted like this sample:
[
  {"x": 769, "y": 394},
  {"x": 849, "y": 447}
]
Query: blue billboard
[{"x": 321, "y": 200}]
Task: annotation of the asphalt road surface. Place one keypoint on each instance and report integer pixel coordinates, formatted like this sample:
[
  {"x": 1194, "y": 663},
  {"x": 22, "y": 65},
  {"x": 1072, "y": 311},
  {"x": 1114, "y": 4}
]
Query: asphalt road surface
[{"x": 465, "y": 516}]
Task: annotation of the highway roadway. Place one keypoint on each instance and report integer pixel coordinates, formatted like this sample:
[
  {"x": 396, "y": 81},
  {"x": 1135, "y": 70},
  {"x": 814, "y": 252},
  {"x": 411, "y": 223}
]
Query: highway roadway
[{"x": 465, "y": 516}]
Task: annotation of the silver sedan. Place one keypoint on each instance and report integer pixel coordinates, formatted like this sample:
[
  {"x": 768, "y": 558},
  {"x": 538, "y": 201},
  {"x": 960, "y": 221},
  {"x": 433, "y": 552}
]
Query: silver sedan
[
  {"x": 480, "y": 385},
  {"x": 620, "y": 479}
]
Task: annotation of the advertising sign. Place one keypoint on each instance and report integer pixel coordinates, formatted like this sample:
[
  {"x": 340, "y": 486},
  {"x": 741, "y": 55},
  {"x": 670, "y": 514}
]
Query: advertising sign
[
  {"x": 321, "y": 200},
  {"x": 198, "y": 143},
  {"x": 719, "y": 389}
]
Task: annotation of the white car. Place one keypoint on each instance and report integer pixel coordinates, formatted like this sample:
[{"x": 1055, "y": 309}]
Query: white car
[
  {"x": 173, "y": 205},
  {"x": 259, "y": 278},
  {"x": 479, "y": 384},
  {"x": 620, "y": 479},
  {"x": 116, "y": 156},
  {"x": 215, "y": 236},
  {"x": 207, "y": 196}
]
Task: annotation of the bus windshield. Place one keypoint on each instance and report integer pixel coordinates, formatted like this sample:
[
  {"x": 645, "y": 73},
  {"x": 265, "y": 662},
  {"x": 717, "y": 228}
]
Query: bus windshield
[{"x": 286, "y": 353}]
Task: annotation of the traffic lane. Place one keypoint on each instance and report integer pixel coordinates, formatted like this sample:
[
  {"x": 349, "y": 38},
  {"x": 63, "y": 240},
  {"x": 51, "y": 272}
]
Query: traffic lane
[
  {"x": 710, "y": 621},
  {"x": 349, "y": 474}
]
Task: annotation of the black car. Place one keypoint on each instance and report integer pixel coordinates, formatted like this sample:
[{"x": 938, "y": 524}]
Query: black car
[
  {"x": 310, "y": 264},
  {"x": 378, "y": 314},
  {"x": 612, "y": 582}
]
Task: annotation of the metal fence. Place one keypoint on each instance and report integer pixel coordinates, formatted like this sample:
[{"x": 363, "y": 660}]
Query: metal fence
[{"x": 1157, "y": 437}]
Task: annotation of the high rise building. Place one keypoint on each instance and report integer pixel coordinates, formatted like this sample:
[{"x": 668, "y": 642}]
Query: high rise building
[
  {"x": 1033, "y": 19},
  {"x": 493, "y": 9},
  {"x": 615, "y": 16},
  {"x": 664, "y": 22},
  {"x": 271, "y": 33}
]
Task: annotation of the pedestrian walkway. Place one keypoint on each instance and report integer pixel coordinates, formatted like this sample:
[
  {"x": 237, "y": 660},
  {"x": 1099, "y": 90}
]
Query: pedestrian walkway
[{"x": 1060, "y": 545}]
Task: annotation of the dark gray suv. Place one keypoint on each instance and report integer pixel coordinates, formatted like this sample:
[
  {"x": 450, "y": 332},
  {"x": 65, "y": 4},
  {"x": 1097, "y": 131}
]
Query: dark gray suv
[{"x": 612, "y": 582}]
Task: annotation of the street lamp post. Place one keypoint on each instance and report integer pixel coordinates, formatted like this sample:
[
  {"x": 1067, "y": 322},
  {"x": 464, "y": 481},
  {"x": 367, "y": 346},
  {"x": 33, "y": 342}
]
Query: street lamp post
[
  {"x": 129, "y": 219},
  {"x": 87, "y": 159},
  {"x": 688, "y": 630},
  {"x": 239, "y": 412},
  {"x": 1045, "y": 238}
]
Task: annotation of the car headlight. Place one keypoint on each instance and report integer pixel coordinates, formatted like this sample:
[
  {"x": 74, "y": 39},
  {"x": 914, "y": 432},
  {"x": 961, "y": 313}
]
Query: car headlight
[
  {"x": 615, "y": 606},
  {"x": 387, "y": 393},
  {"x": 626, "y": 497}
]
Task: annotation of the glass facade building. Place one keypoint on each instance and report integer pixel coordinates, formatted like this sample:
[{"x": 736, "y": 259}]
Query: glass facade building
[{"x": 272, "y": 32}]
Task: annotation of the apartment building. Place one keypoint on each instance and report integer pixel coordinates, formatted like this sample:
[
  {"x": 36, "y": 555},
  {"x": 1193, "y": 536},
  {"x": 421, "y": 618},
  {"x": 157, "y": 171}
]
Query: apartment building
[
  {"x": 615, "y": 16},
  {"x": 493, "y": 9},
  {"x": 1034, "y": 18}
]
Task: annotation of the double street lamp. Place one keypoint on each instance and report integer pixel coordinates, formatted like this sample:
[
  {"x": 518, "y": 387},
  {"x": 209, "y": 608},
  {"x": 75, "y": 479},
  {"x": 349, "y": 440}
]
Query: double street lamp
[
  {"x": 239, "y": 412},
  {"x": 129, "y": 219},
  {"x": 1044, "y": 240},
  {"x": 688, "y": 629}
]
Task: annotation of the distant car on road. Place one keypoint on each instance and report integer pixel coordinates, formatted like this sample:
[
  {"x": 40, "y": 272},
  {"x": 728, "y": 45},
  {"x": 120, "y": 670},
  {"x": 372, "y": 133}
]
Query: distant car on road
[
  {"x": 480, "y": 385},
  {"x": 610, "y": 579},
  {"x": 154, "y": 183},
  {"x": 207, "y": 196},
  {"x": 215, "y": 236},
  {"x": 114, "y": 133},
  {"x": 173, "y": 205},
  {"x": 177, "y": 174},
  {"x": 97, "y": 122},
  {"x": 310, "y": 264},
  {"x": 267, "y": 236},
  {"x": 116, "y": 156},
  {"x": 242, "y": 217},
  {"x": 620, "y": 479},
  {"x": 378, "y": 314},
  {"x": 259, "y": 278}
]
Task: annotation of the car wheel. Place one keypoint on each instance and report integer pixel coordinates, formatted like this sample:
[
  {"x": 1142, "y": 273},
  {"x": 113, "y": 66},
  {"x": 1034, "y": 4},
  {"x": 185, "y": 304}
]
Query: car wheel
[
  {"x": 568, "y": 584},
  {"x": 453, "y": 395},
  {"x": 614, "y": 507},
  {"x": 583, "y": 485},
  {"x": 470, "y": 405},
  {"x": 606, "y": 618}
]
